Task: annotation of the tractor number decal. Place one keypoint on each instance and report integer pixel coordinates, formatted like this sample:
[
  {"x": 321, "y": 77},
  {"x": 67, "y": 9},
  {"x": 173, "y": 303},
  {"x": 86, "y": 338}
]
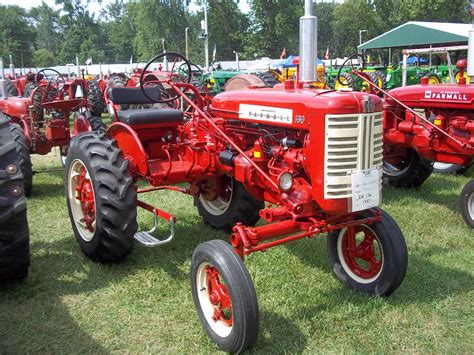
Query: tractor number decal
[
  {"x": 445, "y": 95},
  {"x": 266, "y": 113}
]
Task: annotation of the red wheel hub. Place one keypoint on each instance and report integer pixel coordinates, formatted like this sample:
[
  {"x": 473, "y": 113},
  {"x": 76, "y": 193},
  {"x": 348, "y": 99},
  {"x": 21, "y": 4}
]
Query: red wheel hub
[
  {"x": 218, "y": 296},
  {"x": 85, "y": 194},
  {"x": 362, "y": 251}
]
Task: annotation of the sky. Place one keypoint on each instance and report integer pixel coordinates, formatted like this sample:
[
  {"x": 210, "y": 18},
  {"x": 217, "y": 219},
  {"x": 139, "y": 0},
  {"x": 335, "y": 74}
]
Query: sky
[{"x": 94, "y": 7}]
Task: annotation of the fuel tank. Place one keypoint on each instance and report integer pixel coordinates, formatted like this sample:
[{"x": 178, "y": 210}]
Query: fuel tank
[
  {"x": 345, "y": 134},
  {"x": 451, "y": 96}
]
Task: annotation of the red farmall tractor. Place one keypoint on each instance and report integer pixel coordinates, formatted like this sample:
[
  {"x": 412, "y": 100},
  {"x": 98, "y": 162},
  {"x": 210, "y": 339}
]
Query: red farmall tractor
[
  {"x": 427, "y": 123},
  {"x": 307, "y": 162},
  {"x": 40, "y": 121}
]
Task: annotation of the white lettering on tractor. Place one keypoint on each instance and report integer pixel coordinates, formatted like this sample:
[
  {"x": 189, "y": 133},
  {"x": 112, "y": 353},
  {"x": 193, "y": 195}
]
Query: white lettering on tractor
[{"x": 446, "y": 95}]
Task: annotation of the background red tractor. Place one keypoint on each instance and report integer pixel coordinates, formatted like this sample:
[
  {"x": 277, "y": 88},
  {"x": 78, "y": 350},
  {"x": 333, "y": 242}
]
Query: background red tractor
[
  {"x": 428, "y": 123},
  {"x": 313, "y": 156},
  {"x": 40, "y": 121}
]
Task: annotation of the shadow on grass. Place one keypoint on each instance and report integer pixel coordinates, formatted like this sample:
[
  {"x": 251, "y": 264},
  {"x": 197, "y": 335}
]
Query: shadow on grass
[{"x": 425, "y": 281}]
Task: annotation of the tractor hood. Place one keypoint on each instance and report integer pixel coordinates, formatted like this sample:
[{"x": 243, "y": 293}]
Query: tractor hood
[
  {"x": 289, "y": 108},
  {"x": 439, "y": 95}
]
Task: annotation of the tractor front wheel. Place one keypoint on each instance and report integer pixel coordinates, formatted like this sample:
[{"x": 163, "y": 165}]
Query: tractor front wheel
[
  {"x": 369, "y": 258},
  {"x": 227, "y": 203},
  {"x": 224, "y": 296},
  {"x": 407, "y": 170},
  {"x": 467, "y": 203},
  {"x": 101, "y": 198}
]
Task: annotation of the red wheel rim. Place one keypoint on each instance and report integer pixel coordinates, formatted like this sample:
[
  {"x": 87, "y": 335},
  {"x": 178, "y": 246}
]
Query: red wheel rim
[
  {"x": 85, "y": 194},
  {"x": 362, "y": 253},
  {"x": 218, "y": 296}
]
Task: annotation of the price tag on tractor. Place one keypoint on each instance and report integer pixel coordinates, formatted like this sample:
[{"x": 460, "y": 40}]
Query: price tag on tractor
[{"x": 365, "y": 189}]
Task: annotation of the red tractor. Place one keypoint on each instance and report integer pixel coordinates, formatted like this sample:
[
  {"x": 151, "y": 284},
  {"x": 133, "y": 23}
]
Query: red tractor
[
  {"x": 428, "y": 123},
  {"x": 307, "y": 162},
  {"x": 40, "y": 121}
]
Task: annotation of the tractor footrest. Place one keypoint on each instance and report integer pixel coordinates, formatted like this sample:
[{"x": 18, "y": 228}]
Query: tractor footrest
[{"x": 148, "y": 240}]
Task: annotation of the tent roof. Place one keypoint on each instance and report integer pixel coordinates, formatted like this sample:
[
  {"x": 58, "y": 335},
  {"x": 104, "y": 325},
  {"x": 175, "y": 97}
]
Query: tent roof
[{"x": 416, "y": 33}]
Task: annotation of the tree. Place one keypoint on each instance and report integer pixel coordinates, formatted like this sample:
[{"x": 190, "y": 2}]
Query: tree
[
  {"x": 324, "y": 11},
  {"x": 47, "y": 30},
  {"x": 43, "y": 58},
  {"x": 349, "y": 18},
  {"x": 16, "y": 35}
]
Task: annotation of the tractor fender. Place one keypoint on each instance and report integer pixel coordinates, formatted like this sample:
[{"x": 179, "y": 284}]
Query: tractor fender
[
  {"x": 81, "y": 125},
  {"x": 132, "y": 148}
]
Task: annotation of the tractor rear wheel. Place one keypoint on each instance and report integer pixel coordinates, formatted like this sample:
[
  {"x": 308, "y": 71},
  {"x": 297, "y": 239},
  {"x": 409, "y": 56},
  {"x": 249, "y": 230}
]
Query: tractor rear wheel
[
  {"x": 224, "y": 296},
  {"x": 11, "y": 89},
  {"x": 409, "y": 171},
  {"x": 345, "y": 78},
  {"x": 432, "y": 78},
  {"x": 96, "y": 103},
  {"x": 101, "y": 197},
  {"x": 97, "y": 124},
  {"x": 467, "y": 203},
  {"x": 14, "y": 234},
  {"x": 23, "y": 151},
  {"x": 268, "y": 79},
  {"x": 377, "y": 262},
  {"x": 378, "y": 78},
  {"x": 230, "y": 205},
  {"x": 446, "y": 168}
]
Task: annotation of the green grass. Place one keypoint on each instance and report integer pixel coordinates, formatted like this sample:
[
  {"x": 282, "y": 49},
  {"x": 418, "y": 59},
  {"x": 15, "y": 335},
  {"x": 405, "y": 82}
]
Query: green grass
[{"x": 70, "y": 304}]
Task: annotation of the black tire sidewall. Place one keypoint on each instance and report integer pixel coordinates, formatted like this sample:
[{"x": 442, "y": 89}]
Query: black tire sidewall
[
  {"x": 241, "y": 290},
  {"x": 395, "y": 257},
  {"x": 466, "y": 192}
]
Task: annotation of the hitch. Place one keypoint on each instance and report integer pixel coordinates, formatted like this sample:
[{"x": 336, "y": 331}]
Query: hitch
[{"x": 146, "y": 238}]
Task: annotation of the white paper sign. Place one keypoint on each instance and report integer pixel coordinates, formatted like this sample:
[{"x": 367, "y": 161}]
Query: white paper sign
[{"x": 365, "y": 189}]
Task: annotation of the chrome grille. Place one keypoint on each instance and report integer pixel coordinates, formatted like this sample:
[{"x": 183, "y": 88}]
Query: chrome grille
[{"x": 353, "y": 143}]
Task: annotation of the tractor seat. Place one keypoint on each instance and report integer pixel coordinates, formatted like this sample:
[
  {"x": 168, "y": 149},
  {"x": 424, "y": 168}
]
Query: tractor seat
[
  {"x": 135, "y": 96},
  {"x": 151, "y": 116}
]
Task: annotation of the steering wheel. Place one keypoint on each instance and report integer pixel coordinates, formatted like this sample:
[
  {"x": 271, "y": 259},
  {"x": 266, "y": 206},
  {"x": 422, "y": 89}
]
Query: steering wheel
[
  {"x": 55, "y": 81},
  {"x": 348, "y": 82},
  {"x": 183, "y": 75},
  {"x": 196, "y": 74}
]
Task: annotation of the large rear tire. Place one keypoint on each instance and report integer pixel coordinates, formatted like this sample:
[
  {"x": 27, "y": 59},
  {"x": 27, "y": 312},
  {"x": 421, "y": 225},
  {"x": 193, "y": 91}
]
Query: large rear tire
[
  {"x": 101, "y": 197},
  {"x": 467, "y": 203},
  {"x": 411, "y": 171},
  {"x": 23, "y": 151},
  {"x": 268, "y": 79},
  {"x": 14, "y": 234},
  {"x": 96, "y": 103},
  {"x": 224, "y": 296},
  {"x": 379, "y": 262},
  {"x": 233, "y": 204}
]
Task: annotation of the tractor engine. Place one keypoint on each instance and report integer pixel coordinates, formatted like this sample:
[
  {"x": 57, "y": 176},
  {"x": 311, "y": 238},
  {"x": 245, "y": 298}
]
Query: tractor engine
[
  {"x": 312, "y": 143},
  {"x": 450, "y": 108}
]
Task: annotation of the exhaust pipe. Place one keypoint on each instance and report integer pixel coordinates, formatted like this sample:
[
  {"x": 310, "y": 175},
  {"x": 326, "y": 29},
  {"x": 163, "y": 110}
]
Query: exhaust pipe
[
  {"x": 12, "y": 68},
  {"x": 3, "y": 83},
  {"x": 308, "y": 44},
  {"x": 470, "y": 48}
]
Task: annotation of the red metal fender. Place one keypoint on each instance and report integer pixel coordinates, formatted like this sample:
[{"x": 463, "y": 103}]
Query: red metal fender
[
  {"x": 81, "y": 125},
  {"x": 131, "y": 146}
]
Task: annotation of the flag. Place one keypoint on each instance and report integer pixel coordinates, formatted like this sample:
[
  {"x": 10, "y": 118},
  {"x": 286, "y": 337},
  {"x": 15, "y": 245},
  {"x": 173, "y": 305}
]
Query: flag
[
  {"x": 327, "y": 55},
  {"x": 283, "y": 54},
  {"x": 88, "y": 61},
  {"x": 214, "y": 54}
]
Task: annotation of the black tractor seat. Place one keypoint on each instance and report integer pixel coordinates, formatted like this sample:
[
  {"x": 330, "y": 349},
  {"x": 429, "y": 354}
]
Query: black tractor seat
[
  {"x": 135, "y": 96},
  {"x": 150, "y": 116}
]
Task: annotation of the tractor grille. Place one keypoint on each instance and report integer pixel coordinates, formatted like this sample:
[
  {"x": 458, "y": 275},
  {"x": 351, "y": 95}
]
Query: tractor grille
[{"x": 353, "y": 143}]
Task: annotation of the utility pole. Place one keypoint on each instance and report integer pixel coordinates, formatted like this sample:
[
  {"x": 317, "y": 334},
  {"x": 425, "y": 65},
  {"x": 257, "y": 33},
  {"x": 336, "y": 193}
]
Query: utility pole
[
  {"x": 206, "y": 36},
  {"x": 237, "y": 60},
  {"x": 360, "y": 39},
  {"x": 186, "y": 42}
]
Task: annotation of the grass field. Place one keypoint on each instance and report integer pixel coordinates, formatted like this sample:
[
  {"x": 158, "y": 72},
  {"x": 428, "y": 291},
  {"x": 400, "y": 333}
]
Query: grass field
[{"x": 72, "y": 305}]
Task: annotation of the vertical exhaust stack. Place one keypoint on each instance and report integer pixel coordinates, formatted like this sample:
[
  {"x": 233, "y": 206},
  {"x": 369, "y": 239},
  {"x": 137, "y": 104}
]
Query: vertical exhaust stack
[
  {"x": 470, "y": 48},
  {"x": 308, "y": 44},
  {"x": 12, "y": 68},
  {"x": 3, "y": 83}
]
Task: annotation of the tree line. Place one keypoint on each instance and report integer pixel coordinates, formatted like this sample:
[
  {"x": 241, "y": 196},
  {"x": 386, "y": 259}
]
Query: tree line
[{"x": 140, "y": 29}]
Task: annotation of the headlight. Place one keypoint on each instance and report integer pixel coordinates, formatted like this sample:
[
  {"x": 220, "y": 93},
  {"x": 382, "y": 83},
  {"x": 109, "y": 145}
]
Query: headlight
[{"x": 285, "y": 181}]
